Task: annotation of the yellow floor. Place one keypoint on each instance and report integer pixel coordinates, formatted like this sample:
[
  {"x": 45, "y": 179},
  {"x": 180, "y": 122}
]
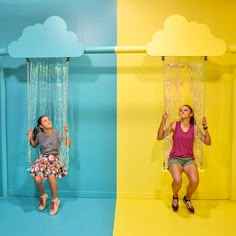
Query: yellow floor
[{"x": 139, "y": 217}]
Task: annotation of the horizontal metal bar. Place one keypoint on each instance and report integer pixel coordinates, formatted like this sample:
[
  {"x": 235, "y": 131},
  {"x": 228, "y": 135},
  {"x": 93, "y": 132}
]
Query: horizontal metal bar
[
  {"x": 109, "y": 49},
  {"x": 3, "y": 52},
  {"x": 118, "y": 49}
]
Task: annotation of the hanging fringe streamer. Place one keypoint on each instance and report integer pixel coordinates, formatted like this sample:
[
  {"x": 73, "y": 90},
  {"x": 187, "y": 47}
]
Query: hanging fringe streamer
[
  {"x": 29, "y": 161},
  {"x": 196, "y": 90},
  {"x": 173, "y": 87},
  {"x": 64, "y": 150},
  {"x": 204, "y": 99},
  {"x": 183, "y": 85},
  {"x": 165, "y": 162},
  {"x": 48, "y": 95}
]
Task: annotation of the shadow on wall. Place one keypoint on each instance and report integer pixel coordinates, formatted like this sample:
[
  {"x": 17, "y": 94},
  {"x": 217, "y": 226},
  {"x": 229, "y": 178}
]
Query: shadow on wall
[
  {"x": 152, "y": 69},
  {"x": 78, "y": 66},
  {"x": 20, "y": 73},
  {"x": 146, "y": 72}
]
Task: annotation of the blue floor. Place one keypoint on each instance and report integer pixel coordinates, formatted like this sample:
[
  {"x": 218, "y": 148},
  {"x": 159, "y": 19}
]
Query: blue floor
[{"x": 77, "y": 216}]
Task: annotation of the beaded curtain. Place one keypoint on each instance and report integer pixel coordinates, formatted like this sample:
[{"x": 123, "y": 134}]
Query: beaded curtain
[
  {"x": 47, "y": 85},
  {"x": 183, "y": 84}
]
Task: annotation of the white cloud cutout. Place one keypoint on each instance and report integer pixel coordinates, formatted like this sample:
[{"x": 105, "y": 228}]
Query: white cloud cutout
[
  {"x": 182, "y": 38},
  {"x": 50, "y": 39}
]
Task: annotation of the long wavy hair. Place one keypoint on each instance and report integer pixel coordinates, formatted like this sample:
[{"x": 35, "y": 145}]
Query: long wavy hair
[{"x": 37, "y": 128}]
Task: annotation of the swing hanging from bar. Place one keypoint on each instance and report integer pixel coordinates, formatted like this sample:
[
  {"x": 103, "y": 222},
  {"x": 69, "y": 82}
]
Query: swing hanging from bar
[
  {"x": 47, "y": 90},
  {"x": 184, "y": 82}
]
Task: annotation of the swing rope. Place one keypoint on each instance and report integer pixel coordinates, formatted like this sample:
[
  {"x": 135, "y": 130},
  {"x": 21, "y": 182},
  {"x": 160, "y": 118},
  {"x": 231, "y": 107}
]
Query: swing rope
[
  {"x": 204, "y": 91},
  {"x": 164, "y": 166},
  {"x": 201, "y": 161},
  {"x": 29, "y": 161},
  {"x": 65, "y": 149}
]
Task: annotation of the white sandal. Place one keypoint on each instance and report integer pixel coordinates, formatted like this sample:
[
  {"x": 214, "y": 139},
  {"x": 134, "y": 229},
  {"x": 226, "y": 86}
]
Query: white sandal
[
  {"x": 54, "y": 206},
  {"x": 43, "y": 201}
]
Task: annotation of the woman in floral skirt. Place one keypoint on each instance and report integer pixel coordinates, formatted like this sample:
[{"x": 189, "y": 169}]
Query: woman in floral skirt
[{"x": 48, "y": 166}]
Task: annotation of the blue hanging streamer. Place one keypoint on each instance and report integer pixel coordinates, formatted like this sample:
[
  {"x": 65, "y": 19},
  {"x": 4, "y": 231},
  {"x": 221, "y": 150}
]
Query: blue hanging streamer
[{"x": 47, "y": 84}]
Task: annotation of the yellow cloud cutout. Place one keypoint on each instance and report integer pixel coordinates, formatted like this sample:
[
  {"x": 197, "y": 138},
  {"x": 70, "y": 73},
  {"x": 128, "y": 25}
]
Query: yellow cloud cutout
[{"x": 182, "y": 38}]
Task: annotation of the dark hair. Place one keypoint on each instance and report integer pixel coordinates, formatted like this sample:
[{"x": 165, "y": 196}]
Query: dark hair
[
  {"x": 192, "y": 119},
  {"x": 37, "y": 128}
]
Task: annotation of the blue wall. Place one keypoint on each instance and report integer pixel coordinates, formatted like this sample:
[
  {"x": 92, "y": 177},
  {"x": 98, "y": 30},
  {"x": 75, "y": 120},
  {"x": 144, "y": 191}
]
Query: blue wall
[
  {"x": 2, "y": 100},
  {"x": 92, "y": 96}
]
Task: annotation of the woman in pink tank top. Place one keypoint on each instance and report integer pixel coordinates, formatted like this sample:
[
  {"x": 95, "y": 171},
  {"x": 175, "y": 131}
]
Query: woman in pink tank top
[{"x": 181, "y": 157}]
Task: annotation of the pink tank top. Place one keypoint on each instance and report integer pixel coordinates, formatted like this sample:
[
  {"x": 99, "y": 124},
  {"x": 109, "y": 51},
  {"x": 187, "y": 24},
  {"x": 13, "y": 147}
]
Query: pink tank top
[{"x": 182, "y": 142}]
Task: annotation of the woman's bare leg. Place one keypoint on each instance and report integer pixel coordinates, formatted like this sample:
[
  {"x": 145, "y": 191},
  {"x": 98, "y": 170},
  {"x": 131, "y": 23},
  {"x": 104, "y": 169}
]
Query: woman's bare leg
[
  {"x": 176, "y": 172},
  {"x": 192, "y": 172},
  {"x": 39, "y": 184},
  {"x": 53, "y": 186}
]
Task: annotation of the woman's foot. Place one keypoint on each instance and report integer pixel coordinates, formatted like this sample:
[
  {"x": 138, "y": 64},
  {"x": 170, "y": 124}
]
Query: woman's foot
[
  {"x": 175, "y": 204},
  {"x": 188, "y": 205},
  {"x": 43, "y": 201},
  {"x": 54, "y": 206}
]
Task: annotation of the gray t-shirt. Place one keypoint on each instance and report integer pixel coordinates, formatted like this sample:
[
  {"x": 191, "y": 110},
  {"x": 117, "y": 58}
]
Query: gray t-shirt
[{"x": 49, "y": 144}]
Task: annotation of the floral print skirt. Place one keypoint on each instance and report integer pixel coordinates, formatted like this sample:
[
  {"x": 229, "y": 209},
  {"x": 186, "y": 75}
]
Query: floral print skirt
[{"x": 47, "y": 165}]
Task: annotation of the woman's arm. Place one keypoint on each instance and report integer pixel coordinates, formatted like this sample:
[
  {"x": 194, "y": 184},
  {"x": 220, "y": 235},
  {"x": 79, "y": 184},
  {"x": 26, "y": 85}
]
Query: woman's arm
[
  {"x": 30, "y": 136},
  {"x": 67, "y": 140},
  {"x": 162, "y": 132},
  {"x": 204, "y": 137}
]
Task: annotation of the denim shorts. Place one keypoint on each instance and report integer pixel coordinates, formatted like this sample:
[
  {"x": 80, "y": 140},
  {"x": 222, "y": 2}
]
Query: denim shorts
[{"x": 182, "y": 161}]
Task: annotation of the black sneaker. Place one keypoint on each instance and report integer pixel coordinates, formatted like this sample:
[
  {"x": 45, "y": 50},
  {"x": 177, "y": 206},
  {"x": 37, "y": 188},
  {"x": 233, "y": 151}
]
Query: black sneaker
[
  {"x": 175, "y": 204},
  {"x": 188, "y": 205}
]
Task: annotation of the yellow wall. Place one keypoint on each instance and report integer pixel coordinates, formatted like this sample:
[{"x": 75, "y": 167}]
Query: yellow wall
[
  {"x": 140, "y": 101},
  {"x": 233, "y": 164}
]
